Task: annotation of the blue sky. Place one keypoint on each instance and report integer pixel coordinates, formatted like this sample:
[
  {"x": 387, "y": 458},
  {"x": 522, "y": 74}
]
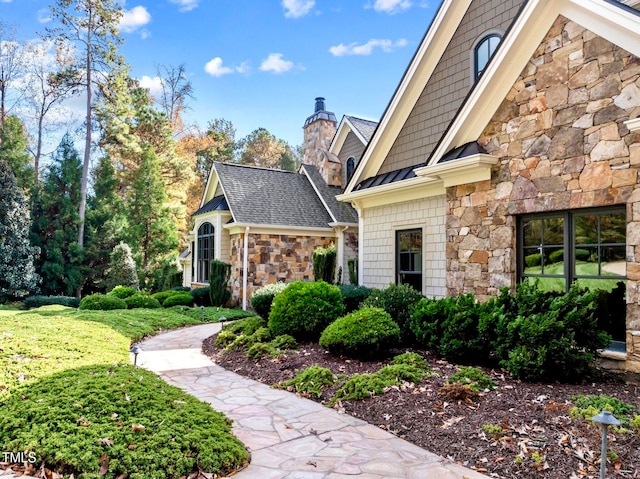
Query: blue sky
[{"x": 261, "y": 63}]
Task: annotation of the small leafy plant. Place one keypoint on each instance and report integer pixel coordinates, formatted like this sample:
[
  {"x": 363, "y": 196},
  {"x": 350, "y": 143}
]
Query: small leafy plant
[
  {"x": 309, "y": 382},
  {"x": 474, "y": 377}
]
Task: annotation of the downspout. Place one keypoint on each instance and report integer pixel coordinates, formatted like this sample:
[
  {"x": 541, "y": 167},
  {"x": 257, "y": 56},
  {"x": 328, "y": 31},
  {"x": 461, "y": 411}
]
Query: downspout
[
  {"x": 245, "y": 268},
  {"x": 360, "y": 212}
]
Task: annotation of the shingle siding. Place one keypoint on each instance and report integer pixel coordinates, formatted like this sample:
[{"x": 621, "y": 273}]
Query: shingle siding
[
  {"x": 448, "y": 86},
  {"x": 378, "y": 242},
  {"x": 352, "y": 147}
]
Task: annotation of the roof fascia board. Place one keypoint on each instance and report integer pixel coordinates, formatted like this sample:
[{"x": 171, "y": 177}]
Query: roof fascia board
[
  {"x": 458, "y": 172},
  {"x": 418, "y": 73},
  {"x": 340, "y": 137},
  {"x": 211, "y": 187},
  {"x": 398, "y": 192},
  {"x": 213, "y": 166},
  {"x": 317, "y": 192},
  {"x": 603, "y": 18},
  {"x": 236, "y": 228}
]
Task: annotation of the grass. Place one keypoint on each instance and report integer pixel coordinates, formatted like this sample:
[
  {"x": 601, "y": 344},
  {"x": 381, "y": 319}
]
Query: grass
[
  {"x": 70, "y": 395},
  {"x": 582, "y": 269}
]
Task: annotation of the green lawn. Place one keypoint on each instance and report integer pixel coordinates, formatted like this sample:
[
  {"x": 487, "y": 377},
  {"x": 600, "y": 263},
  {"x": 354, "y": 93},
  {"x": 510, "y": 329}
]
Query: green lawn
[
  {"x": 582, "y": 269},
  {"x": 69, "y": 394}
]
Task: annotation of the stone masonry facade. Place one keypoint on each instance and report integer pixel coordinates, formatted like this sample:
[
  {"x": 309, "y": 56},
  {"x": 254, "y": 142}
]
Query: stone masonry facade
[
  {"x": 562, "y": 144},
  {"x": 272, "y": 258}
]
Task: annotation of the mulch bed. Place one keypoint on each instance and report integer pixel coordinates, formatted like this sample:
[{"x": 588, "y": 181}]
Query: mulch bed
[{"x": 534, "y": 416}]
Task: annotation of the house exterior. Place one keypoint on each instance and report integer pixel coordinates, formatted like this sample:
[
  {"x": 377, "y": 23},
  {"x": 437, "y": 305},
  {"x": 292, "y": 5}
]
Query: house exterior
[
  {"x": 266, "y": 223},
  {"x": 511, "y": 150}
]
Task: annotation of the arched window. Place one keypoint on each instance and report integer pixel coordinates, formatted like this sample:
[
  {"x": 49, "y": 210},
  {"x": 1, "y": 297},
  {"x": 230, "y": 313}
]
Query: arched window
[
  {"x": 205, "y": 251},
  {"x": 483, "y": 51},
  {"x": 351, "y": 166}
]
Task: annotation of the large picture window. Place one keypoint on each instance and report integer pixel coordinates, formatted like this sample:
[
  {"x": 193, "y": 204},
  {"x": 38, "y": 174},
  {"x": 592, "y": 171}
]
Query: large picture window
[
  {"x": 587, "y": 247},
  {"x": 205, "y": 251},
  {"x": 409, "y": 258}
]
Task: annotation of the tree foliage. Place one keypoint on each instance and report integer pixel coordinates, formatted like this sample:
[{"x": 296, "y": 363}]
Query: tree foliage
[
  {"x": 13, "y": 150},
  {"x": 261, "y": 148},
  {"x": 17, "y": 271}
]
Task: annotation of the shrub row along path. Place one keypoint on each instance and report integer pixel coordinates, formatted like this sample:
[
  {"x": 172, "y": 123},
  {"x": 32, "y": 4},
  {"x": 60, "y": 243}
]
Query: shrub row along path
[{"x": 288, "y": 436}]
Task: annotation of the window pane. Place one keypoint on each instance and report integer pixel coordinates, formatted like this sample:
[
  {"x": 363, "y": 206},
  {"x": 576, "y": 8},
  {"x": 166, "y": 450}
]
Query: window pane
[
  {"x": 553, "y": 259},
  {"x": 613, "y": 260},
  {"x": 482, "y": 56},
  {"x": 532, "y": 232},
  {"x": 553, "y": 231},
  {"x": 586, "y": 229},
  {"x": 613, "y": 228},
  {"x": 586, "y": 263}
]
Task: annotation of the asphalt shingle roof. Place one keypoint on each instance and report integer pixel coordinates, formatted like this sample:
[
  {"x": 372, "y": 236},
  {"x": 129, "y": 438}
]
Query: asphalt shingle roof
[
  {"x": 217, "y": 203},
  {"x": 365, "y": 127},
  {"x": 342, "y": 212},
  {"x": 271, "y": 197}
]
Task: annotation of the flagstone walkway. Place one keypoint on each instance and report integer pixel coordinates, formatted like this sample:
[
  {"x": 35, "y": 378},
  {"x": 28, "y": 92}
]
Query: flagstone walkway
[{"x": 289, "y": 437}]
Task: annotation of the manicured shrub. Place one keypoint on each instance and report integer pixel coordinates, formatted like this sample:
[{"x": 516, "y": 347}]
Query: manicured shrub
[
  {"x": 353, "y": 295},
  {"x": 219, "y": 273},
  {"x": 305, "y": 309},
  {"x": 310, "y": 382},
  {"x": 201, "y": 296},
  {"x": 37, "y": 301},
  {"x": 556, "y": 256},
  {"x": 178, "y": 299},
  {"x": 102, "y": 302},
  {"x": 557, "y": 344},
  {"x": 413, "y": 359},
  {"x": 142, "y": 300},
  {"x": 403, "y": 372},
  {"x": 362, "y": 386},
  {"x": 324, "y": 264},
  {"x": 284, "y": 341},
  {"x": 181, "y": 288},
  {"x": 122, "y": 292},
  {"x": 162, "y": 295},
  {"x": 533, "y": 260},
  {"x": 582, "y": 254},
  {"x": 397, "y": 300},
  {"x": 262, "y": 298},
  {"x": 363, "y": 333}
]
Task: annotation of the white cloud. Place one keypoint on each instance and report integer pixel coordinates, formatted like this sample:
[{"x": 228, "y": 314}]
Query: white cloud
[
  {"x": 214, "y": 67},
  {"x": 274, "y": 63},
  {"x": 153, "y": 84},
  {"x": 186, "y": 5},
  {"x": 366, "y": 48},
  {"x": 297, "y": 8},
  {"x": 391, "y": 6},
  {"x": 5, "y": 1},
  {"x": 135, "y": 18},
  {"x": 43, "y": 14}
]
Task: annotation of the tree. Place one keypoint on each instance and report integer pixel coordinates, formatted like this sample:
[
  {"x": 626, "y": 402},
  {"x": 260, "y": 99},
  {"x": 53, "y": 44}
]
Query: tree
[
  {"x": 93, "y": 26},
  {"x": 122, "y": 268},
  {"x": 176, "y": 89},
  {"x": 10, "y": 65},
  {"x": 152, "y": 230},
  {"x": 261, "y": 148},
  {"x": 17, "y": 271},
  {"x": 13, "y": 150},
  {"x": 55, "y": 227}
]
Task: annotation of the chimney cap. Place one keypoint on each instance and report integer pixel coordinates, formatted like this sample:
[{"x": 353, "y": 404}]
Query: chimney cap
[
  {"x": 320, "y": 113},
  {"x": 319, "y": 104}
]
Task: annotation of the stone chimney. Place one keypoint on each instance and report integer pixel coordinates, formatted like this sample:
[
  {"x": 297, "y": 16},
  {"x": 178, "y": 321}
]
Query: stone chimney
[{"x": 319, "y": 130}]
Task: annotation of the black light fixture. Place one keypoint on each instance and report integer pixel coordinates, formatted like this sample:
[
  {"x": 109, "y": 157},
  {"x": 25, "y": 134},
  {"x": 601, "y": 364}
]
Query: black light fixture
[
  {"x": 202, "y": 309},
  {"x": 605, "y": 419},
  {"x": 135, "y": 350}
]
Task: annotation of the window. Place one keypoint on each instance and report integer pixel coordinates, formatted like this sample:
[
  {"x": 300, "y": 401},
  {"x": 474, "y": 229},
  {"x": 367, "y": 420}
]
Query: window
[
  {"x": 583, "y": 246},
  {"x": 351, "y": 166},
  {"x": 205, "y": 251},
  {"x": 483, "y": 51},
  {"x": 409, "y": 258}
]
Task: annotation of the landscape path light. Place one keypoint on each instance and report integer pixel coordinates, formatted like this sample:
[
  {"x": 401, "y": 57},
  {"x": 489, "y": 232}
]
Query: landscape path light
[
  {"x": 202, "y": 309},
  {"x": 605, "y": 419},
  {"x": 135, "y": 350}
]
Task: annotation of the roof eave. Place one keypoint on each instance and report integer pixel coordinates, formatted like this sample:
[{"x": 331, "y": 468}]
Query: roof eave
[{"x": 404, "y": 190}]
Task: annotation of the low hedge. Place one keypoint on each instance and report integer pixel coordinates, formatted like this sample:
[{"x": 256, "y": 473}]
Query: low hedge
[
  {"x": 201, "y": 296},
  {"x": 178, "y": 299},
  {"x": 142, "y": 300},
  {"x": 122, "y": 292},
  {"x": 37, "y": 301},
  {"x": 102, "y": 302}
]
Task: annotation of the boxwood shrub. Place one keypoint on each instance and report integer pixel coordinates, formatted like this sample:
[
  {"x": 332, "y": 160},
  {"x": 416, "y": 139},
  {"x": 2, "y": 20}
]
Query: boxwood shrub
[
  {"x": 363, "y": 333},
  {"x": 102, "y": 302},
  {"x": 397, "y": 300},
  {"x": 353, "y": 295},
  {"x": 122, "y": 292},
  {"x": 37, "y": 301},
  {"x": 162, "y": 295},
  {"x": 304, "y": 309},
  {"x": 262, "y": 298},
  {"x": 178, "y": 299},
  {"x": 142, "y": 300},
  {"x": 201, "y": 296}
]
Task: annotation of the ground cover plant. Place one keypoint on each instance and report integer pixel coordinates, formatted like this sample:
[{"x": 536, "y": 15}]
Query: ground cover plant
[{"x": 69, "y": 394}]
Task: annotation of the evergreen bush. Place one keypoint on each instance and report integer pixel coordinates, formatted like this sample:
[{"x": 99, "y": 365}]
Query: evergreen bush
[
  {"x": 142, "y": 300},
  {"x": 324, "y": 264},
  {"x": 305, "y": 309},
  {"x": 178, "y": 299},
  {"x": 37, "y": 301},
  {"x": 102, "y": 302},
  {"x": 397, "y": 300},
  {"x": 162, "y": 295},
  {"x": 353, "y": 295},
  {"x": 122, "y": 268},
  {"x": 122, "y": 292},
  {"x": 363, "y": 333},
  {"x": 201, "y": 296},
  {"x": 219, "y": 274},
  {"x": 352, "y": 266},
  {"x": 533, "y": 260},
  {"x": 262, "y": 298}
]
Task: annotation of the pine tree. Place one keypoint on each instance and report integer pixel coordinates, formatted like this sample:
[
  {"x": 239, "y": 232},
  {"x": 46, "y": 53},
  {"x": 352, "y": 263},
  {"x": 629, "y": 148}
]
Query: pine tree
[
  {"x": 56, "y": 225},
  {"x": 152, "y": 231},
  {"x": 17, "y": 271},
  {"x": 122, "y": 268}
]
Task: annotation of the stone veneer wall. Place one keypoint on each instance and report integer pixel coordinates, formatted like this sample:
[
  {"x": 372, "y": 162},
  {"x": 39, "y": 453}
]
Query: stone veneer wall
[
  {"x": 562, "y": 144},
  {"x": 378, "y": 242},
  {"x": 272, "y": 258}
]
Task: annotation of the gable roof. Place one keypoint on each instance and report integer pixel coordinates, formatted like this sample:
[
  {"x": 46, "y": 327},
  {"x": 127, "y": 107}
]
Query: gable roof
[
  {"x": 218, "y": 203},
  {"x": 361, "y": 128},
  {"x": 270, "y": 197},
  {"x": 340, "y": 212}
]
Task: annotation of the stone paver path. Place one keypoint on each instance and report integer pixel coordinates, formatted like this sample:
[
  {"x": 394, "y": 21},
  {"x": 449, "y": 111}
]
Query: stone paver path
[{"x": 289, "y": 437}]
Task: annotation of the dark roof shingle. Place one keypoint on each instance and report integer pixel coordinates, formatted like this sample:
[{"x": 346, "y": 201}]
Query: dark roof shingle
[{"x": 342, "y": 212}]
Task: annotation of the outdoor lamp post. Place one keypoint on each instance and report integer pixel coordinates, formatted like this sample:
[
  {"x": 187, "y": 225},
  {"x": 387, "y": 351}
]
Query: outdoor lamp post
[
  {"x": 222, "y": 319},
  {"x": 202, "y": 309},
  {"x": 135, "y": 350},
  {"x": 605, "y": 419}
]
